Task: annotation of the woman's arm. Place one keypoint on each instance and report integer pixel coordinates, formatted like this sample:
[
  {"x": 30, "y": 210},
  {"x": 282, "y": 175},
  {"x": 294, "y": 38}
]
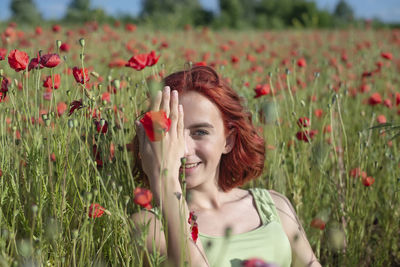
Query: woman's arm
[
  {"x": 165, "y": 185},
  {"x": 302, "y": 253}
]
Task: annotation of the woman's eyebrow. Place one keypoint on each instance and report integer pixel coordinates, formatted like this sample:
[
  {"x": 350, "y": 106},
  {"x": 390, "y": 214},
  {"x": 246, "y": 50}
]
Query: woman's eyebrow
[{"x": 201, "y": 125}]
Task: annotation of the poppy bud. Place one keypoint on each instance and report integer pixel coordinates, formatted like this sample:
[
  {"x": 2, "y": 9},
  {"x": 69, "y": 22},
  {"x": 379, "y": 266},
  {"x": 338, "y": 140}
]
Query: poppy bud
[{"x": 82, "y": 42}]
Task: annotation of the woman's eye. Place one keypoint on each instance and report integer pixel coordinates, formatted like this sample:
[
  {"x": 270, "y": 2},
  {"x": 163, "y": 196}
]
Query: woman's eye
[{"x": 199, "y": 132}]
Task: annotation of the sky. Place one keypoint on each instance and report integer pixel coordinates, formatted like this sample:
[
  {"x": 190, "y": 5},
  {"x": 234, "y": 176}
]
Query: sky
[{"x": 385, "y": 10}]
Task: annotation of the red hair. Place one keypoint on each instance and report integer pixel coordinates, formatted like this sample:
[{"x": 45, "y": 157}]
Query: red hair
[{"x": 246, "y": 159}]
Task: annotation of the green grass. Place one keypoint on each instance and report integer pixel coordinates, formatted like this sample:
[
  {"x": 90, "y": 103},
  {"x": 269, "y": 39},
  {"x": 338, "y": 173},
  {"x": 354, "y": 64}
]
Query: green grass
[{"x": 44, "y": 203}]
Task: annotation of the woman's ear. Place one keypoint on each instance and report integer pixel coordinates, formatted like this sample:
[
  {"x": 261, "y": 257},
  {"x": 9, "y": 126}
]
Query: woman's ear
[{"x": 230, "y": 141}]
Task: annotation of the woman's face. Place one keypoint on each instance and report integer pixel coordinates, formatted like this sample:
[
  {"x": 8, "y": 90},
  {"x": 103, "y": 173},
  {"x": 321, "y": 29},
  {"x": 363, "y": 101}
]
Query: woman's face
[{"x": 205, "y": 139}]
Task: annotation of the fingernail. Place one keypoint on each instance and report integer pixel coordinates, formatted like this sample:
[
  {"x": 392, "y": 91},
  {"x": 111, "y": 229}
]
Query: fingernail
[
  {"x": 167, "y": 89},
  {"x": 175, "y": 93}
]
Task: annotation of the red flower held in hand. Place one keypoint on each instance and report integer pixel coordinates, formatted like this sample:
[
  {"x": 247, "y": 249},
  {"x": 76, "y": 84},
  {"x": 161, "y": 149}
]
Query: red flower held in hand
[
  {"x": 156, "y": 124},
  {"x": 50, "y": 60},
  {"x": 18, "y": 60},
  {"x": 75, "y": 105},
  {"x": 262, "y": 89},
  {"x": 81, "y": 75},
  {"x": 95, "y": 210},
  {"x": 143, "y": 197},
  {"x": 3, "y": 53},
  {"x": 47, "y": 83}
]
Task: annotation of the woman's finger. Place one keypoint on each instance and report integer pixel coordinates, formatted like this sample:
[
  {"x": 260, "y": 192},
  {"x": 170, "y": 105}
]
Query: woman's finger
[
  {"x": 165, "y": 102},
  {"x": 180, "y": 127},
  {"x": 174, "y": 110},
  {"x": 156, "y": 101}
]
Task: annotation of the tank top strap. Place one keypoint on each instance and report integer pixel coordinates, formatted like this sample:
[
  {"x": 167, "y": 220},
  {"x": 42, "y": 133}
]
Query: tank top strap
[{"x": 265, "y": 205}]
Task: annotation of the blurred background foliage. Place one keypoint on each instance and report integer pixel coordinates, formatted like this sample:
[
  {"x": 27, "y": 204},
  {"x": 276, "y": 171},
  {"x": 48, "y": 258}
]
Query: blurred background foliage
[{"x": 233, "y": 14}]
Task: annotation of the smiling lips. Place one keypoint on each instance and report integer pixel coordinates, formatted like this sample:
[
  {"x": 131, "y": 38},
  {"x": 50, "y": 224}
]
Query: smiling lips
[{"x": 190, "y": 166}]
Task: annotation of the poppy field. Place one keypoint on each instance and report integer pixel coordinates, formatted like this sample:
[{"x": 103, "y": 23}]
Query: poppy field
[{"x": 326, "y": 102}]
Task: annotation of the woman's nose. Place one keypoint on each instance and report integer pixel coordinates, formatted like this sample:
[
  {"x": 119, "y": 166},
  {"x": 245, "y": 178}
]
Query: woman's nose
[{"x": 189, "y": 144}]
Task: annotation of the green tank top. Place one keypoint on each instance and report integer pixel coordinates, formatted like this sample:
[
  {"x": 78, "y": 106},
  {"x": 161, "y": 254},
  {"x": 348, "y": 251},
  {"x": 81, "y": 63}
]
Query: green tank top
[{"x": 268, "y": 242}]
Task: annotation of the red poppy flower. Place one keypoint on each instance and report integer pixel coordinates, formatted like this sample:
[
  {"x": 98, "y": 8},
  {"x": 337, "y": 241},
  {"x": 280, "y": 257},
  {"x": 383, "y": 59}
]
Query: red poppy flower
[
  {"x": 18, "y": 60},
  {"x": 200, "y": 63},
  {"x": 318, "y": 113},
  {"x": 262, "y": 89},
  {"x": 142, "y": 197},
  {"x": 302, "y": 62},
  {"x": 3, "y": 53},
  {"x": 116, "y": 63},
  {"x": 50, "y": 60},
  {"x": 356, "y": 172},
  {"x": 137, "y": 62},
  {"x": 64, "y": 47},
  {"x": 38, "y": 30},
  {"x": 4, "y": 88},
  {"x": 105, "y": 97},
  {"x": 303, "y": 122},
  {"x": 81, "y": 75},
  {"x": 366, "y": 74},
  {"x": 306, "y": 135},
  {"x": 35, "y": 63},
  {"x": 130, "y": 27},
  {"x": 194, "y": 229},
  {"x": 318, "y": 223},
  {"x": 255, "y": 262},
  {"x": 397, "y": 99},
  {"x": 387, "y": 55},
  {"x": 152, "y": 59},
  {"x": 388, "y": 103},
  {"x": 47, "y": 83},
  {"x": 75, "y": 105},
  {"x": 101, "y": 126},
  {"x": 156, "y": 124},
  {"x": 381, "y": 119},
  {"x": 53, "y": 157},
  {"x": 95, "y": 210},
  {"x": 61, "y": 108},
  {"x": 368, "y": 181},
  {"x": 375, "y": 99},
  {"x": 56, "y": 28}
]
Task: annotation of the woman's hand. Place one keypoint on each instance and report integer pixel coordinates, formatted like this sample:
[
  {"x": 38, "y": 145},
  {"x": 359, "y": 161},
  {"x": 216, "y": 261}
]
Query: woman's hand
[{"x": 168, "y": 152}]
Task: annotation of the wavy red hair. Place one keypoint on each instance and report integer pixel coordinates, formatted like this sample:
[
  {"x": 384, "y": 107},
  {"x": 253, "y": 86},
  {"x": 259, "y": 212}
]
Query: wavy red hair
[{"x": 246, "y": 159}]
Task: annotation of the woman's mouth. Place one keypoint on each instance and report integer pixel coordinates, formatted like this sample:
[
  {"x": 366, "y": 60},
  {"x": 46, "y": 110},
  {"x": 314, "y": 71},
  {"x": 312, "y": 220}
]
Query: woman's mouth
[{"x": 190, "y": 167}]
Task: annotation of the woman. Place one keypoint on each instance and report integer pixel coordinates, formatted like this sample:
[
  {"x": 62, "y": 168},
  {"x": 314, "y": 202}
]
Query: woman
[{"x": 221, "y": 151}]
